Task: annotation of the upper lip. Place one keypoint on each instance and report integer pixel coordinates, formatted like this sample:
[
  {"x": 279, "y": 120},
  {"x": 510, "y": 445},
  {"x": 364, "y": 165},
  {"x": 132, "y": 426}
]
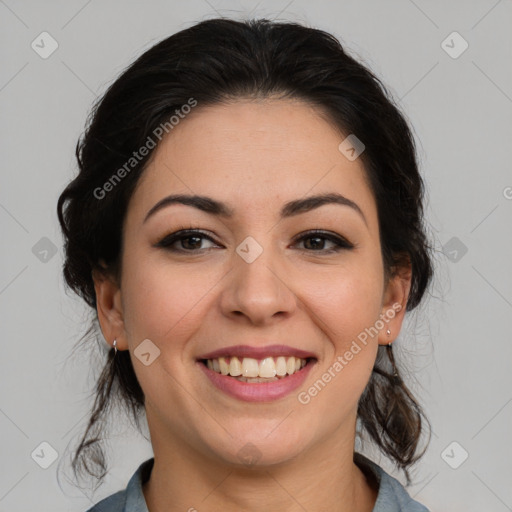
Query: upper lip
[{"x": 258, "y": 352}]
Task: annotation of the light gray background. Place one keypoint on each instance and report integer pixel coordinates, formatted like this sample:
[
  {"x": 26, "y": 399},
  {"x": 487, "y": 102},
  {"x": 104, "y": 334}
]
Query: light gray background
[{"x": 461, "y": 112}]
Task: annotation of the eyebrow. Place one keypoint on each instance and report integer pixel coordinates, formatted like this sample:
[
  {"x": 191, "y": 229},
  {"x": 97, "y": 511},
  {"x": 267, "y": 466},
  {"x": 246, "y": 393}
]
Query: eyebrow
[{"x": 214, "y": 207}]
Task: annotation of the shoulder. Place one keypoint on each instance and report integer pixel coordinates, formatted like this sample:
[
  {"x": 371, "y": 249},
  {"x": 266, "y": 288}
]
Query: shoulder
[
  {"x": 130, "y": 499},
  {"x": 392, "y": 495},
  {"x": 113, "y": 503}
]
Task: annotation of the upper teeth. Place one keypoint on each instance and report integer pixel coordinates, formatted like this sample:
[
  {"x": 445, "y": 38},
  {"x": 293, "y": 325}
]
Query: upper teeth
[{"x": 249, "y": 367}]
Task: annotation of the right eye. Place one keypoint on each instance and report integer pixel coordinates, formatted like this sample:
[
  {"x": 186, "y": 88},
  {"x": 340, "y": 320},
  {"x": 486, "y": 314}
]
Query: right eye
[{"x": 183, "y": 235}]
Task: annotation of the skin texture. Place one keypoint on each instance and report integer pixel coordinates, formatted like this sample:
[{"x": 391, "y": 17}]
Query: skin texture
[{"x": 254, "y": 155}]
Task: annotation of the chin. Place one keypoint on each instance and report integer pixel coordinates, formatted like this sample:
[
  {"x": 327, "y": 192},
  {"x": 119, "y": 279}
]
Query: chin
[{"x": 268, "y": 446}]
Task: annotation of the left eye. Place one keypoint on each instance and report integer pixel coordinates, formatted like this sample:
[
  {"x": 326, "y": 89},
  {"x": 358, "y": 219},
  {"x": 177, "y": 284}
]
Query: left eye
[
  {"x": 197, "y": 237},
  {"x": 338, "y": 242}
]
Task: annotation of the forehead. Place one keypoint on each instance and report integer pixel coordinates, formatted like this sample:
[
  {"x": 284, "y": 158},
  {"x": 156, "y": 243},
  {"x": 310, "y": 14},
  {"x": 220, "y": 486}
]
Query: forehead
[{"x": 252, "y": 153}]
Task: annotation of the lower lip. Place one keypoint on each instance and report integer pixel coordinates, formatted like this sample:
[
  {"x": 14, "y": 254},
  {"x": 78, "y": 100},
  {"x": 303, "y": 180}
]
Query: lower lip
[{"x": 258, "y": 391}]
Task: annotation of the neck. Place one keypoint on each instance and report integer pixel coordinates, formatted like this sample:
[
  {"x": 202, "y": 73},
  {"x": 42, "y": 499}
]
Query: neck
[{"x": 323, "y": 478}]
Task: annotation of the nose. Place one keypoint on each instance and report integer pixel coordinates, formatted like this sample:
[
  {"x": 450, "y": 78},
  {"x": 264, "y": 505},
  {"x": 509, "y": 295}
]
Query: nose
[{"x": 259, "y": 291}]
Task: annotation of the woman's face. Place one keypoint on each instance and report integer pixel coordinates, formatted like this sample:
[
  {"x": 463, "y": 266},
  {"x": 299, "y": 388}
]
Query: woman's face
[{"x": 253, "y": 279}]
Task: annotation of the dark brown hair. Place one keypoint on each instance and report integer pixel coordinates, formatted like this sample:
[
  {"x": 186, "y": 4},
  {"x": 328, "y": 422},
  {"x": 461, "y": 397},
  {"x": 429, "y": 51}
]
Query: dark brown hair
[{"x": 213, "y": 61}]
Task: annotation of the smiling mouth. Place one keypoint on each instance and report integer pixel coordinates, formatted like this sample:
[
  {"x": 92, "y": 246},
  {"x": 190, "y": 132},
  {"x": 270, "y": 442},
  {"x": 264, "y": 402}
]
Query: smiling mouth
[{"x": 248, "y": 369}]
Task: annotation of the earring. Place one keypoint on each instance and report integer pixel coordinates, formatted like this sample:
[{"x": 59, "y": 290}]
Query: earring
[
  {"x": 391, "y": 357},
  {"x": 115, "y": 348},
  {"x": 388, "y": 332}
]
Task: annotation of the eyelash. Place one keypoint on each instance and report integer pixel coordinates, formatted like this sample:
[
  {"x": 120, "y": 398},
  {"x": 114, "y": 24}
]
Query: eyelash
[{"x": 168, "y": 240}]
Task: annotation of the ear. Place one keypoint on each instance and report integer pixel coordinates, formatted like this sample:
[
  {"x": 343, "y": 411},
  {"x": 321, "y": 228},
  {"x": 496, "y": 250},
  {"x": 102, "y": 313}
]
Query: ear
[
  {"x": 109, "y": 308},
  {"x": 394, "y": 301}
]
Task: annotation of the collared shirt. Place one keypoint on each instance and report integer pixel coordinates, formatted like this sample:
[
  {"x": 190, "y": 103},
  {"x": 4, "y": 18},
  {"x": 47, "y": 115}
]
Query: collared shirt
[{"x": 392, "y": 496}]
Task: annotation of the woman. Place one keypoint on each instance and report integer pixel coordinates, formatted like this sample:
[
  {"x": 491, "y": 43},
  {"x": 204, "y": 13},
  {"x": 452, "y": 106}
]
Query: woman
[{"x": 247, "y": 224}]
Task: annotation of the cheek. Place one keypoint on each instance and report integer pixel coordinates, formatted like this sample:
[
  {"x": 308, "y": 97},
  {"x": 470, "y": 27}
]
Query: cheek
[
  {"x": 347, "y": 308},
  {"x": 346, "y": 300},
  {"x": 163, "y": 302}
]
